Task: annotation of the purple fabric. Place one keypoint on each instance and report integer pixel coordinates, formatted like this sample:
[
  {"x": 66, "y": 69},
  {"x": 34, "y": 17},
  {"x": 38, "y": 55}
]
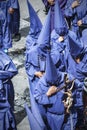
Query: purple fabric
[
  {"x": 62, "y": 4},
  {"x": 76, "y": 47},
  {"x": 14, "y": 19},
  {"x": 59, "y": 21},
  {"x": 5, "y": 34},
  {"x": 44, "y": 37},
  {"x": 32, "y": 121},
  {"x": 51, "y": 71},
  {"x": 35, "y": 23}
]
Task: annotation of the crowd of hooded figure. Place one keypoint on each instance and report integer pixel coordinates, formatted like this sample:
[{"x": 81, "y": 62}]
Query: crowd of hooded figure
[
  {"x": 56, "y": 65},
  {"x": 55, "y": 62}
]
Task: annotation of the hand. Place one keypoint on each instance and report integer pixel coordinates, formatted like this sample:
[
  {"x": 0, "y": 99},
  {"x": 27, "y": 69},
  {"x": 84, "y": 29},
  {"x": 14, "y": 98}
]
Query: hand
[
  {"x": 11, "y": 10},
  {"x": 52, "y": 90},
  {"x": 38, "y": 74},
  {"x": 61, "y": 38},
  {"x": 75, "y": 4},
  {"x": 79, "y": 23},
  {"x": 51, "y": 2}
]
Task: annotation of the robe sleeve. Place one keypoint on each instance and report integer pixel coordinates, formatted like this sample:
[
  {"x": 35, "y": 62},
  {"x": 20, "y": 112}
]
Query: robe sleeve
[
  {"x": 7, "y": 67},
  {"x": 30, "y": 69},
  {"x": 41, "y": 97},
  {"x": 8, "y": 72}
]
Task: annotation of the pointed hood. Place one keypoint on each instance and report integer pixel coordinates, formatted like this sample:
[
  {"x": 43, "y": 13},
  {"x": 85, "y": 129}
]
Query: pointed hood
[
  {"x": 36, "y": 112},
  {"x": 59, "y": 21},
  {"x": 32, "y": 121},
  {"x": 51, "y": 71},
  {"x": 76, "y": 47},
  {"x": 44, "y": 37},
  {"x": 35, "y": 23}
]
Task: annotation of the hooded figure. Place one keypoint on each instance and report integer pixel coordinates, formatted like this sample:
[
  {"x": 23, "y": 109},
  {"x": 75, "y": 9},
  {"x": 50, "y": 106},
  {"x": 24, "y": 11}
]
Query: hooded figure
[
  {"x": 7, "y": 71},
  {"x": 36, "y": 60},
  {"x": 36, "y": 57},
  {"x": 59, "y": 38},
  {"x": 60, "y": 25},
  {"x": 76, "y": 58},
  {"x": 77, "y": 66},
  {"x": 44, "y": 37},
  {"x": 13, "y": 18},
  {"x": 46, "y": 94},
  {"x": 5, "y": 34},
  {"x": 35, "y": 28},
  {"x": 47, "y": 4},
  {"x": 77, "y": 12}
]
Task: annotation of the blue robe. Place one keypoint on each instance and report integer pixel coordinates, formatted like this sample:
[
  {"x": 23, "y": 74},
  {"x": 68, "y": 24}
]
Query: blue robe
[
  {"x": 62, "y": 6},
  {"x": 14, "y": 19},
  {"x": 33, "y": 64},
  {"x": 53, "y": 104},
  {"x": 31, "y": 41},
  {"x": 7, "y": 120},
  {"x": 7, "y": 71},
  {"x": 76, "y": 14},
  {"x": 59, "y": 47},
  {"x": 61, "y": 2},
  {"x": 5, "y": 34},
  {"x": 79, "y": 71}
]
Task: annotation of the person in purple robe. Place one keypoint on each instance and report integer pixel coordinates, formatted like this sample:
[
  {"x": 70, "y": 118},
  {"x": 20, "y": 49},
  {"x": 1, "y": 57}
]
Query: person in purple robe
[
  {"x": 36, "y": 57},
  {"x": 7, "y": 72},
  {"x": 36, "y": 60},
  {"x": 5, "y": 34},
  {"x": 77, "y": 66},
  {"x": 46, "y": 93},
  {"x": 34, "y": 29},
  {"x": 51, "y": 3},
  {"x": 13, "y": 16},
  {"x": 59, "y": 40},
  {"x": 76, "y": 11}
]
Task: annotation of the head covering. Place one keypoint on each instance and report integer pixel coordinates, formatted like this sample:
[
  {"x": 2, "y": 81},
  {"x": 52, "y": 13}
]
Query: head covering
[
  {"x": 36, "y": 112},
  {"x": 35, "y": 23},
  {"x": 51, "y": 71},
  {"x": 32, "y": 121},
  {"x": 75, "y": 45},
  {"x": 44, "y": 37},
  {"x": 59, "y": 21},
  {"x": 84, "y": 37}
]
